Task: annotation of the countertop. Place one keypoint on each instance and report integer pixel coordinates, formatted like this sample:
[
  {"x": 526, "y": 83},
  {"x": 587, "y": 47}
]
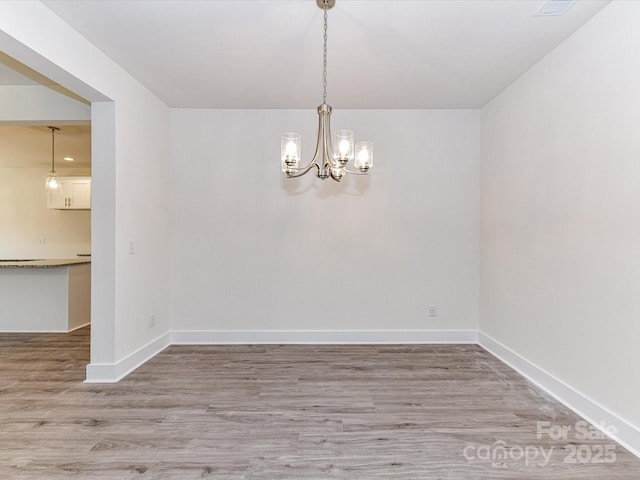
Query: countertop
[{"x": 50, "y": 263}]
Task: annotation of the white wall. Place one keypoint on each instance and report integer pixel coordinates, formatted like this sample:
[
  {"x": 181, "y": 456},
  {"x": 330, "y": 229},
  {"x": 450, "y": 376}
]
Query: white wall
[
  {"x": 25, "y": 219},
  {"x": 252, "y": 250},
  {"x": 560, "y": 269},
  {"x": 130, "y": 172}
]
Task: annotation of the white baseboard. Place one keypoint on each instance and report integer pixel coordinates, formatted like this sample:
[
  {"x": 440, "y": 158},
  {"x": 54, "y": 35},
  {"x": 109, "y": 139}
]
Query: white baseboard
[
  {"x": 114, "y": 372},
  {"x": 627, "y": 434},
  {"x": 79, "y": 327},
  {"x": 47, "y": 331},
  {"x": 248, "y": 337}
]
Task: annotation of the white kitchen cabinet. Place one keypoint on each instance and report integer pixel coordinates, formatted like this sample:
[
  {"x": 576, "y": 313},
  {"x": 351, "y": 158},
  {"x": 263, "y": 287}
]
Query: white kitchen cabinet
[{"x": 75, "y": 195}]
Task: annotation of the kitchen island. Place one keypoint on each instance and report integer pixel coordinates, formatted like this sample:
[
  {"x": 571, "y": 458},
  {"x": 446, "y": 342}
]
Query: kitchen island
[{"x": 51, "y": 295}]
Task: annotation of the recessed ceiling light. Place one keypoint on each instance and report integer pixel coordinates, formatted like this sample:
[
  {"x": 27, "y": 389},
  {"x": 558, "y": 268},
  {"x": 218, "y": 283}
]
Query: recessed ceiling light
[
  {"x": 554, "y": 7},
  {"x": 69, "y": 159}
]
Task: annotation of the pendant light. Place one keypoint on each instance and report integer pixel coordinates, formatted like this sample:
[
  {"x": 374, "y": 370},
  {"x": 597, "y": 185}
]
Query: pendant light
[{"x": 52, "y": 183}]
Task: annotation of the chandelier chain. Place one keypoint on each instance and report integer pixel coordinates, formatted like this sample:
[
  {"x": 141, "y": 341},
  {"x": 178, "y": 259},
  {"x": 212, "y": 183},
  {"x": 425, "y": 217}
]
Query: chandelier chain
[{"x": 324, "y": 63}]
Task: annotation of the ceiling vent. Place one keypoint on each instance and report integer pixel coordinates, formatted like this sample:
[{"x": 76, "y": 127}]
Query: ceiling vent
[{"x": 554, "y": 8}]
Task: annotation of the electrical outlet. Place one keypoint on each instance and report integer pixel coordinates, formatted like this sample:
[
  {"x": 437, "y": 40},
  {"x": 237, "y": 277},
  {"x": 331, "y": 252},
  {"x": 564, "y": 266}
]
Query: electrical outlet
[
  {"x": 132, "y": 247},
  {"x": 433, "y": 311},
  {"x": 152, "y": 320},
  {"x": 43, "y": 241}
]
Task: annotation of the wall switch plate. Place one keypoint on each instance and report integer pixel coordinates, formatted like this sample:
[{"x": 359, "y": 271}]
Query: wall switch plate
[
  {"x": 152, "y": 320},
  {"x": 132, "y": 247},
  {"x": 433, "y": 311}
]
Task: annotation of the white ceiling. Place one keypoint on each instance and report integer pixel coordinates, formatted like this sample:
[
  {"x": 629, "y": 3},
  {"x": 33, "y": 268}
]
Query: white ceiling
[
  {"x": 268, "y": 53},
  {"x": 30, "y": 146}
]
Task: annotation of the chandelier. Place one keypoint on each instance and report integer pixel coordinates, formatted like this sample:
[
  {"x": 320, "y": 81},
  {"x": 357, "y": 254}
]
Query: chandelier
[{"x": 330, "y": 159}]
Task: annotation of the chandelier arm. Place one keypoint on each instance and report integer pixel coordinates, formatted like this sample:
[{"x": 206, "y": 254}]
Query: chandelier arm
[
  {"x": 302, "y": 171},
  {"x": 353, "y": 173},
  {"x": 320, "y": 135},
  {"x": 326, "y": 142}
]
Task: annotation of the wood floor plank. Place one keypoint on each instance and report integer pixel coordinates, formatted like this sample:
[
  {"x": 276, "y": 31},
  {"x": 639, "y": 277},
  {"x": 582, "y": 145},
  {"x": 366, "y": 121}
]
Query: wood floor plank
[{"x": 284, "y": 412}]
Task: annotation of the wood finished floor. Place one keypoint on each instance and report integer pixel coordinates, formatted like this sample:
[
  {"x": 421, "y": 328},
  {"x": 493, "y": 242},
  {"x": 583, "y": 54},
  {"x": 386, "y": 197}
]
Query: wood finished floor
[{"x": 281, "y": 412}]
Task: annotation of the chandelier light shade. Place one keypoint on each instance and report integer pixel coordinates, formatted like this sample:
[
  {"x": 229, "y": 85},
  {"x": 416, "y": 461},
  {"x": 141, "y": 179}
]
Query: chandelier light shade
[
  {"x": 52, "y": 184},
  {"x": 333, "y": 154},
  {"x": 290, "y": 146},
  {"x": 364, "y": 156}
]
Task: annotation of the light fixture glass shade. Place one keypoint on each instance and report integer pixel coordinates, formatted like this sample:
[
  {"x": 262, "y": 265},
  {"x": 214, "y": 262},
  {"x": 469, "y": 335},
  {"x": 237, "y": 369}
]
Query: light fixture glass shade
[
  {"x": 290, "y": 151},
  {"x": 337, "y": 172},
  {"x": 364, "y": 156},
  {"x": 342, "y": 147},
  {"x": 52, "y": 184}
]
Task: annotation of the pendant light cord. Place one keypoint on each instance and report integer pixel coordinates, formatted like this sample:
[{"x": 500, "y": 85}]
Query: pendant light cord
[
  {"x": 324, "y": 63},
  {"x": 53, "y": 148}
]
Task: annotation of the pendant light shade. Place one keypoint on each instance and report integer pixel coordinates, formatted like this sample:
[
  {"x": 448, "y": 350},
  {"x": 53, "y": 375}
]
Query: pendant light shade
[{"x": 52, "y": 183}]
